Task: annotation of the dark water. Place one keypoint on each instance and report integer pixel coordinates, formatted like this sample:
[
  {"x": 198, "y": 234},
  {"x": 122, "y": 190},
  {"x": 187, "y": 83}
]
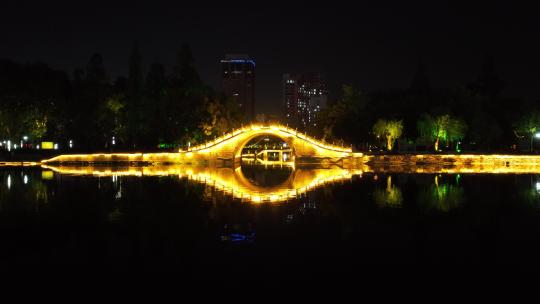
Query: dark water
[{"x": 370, "y": 222}]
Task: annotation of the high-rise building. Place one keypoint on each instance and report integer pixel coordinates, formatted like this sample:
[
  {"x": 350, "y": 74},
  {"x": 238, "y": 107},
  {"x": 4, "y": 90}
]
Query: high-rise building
[
  {"x": 304, "y": 95},
  {"x": 238, "y": 82}
]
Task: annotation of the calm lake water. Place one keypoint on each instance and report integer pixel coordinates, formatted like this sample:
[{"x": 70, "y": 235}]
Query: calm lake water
[{"x": 208, "y": 222}]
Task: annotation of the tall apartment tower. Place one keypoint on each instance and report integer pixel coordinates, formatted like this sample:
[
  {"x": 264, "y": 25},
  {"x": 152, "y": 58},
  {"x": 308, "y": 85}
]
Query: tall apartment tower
[
  {"x": 238, "y": 82},
  {"x": 304, "y": 95}
]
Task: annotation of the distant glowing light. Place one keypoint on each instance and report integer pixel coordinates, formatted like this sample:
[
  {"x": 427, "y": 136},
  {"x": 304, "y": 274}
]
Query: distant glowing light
[
  {"x": 9, "y": 181},
  {"x": 56, "y": 146},
  {"x": 46, "y": 145},
  {"x": 25, "y": 138},
  {"x": 537, "y": 135},
  {"x": 70, "y": 143},
  {"x": 25, "y": 179},
  {"x": 537, "y": 186},
  {"x": 113, "y": 141}
]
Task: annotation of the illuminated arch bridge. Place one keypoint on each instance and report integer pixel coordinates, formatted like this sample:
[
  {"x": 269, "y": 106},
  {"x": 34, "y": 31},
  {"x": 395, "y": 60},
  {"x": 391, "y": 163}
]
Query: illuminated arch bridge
[{"x": 229, "y": 148}]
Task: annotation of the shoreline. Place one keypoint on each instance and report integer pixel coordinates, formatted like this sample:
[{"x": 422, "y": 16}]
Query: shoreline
[{"x": 354, "y": 160}]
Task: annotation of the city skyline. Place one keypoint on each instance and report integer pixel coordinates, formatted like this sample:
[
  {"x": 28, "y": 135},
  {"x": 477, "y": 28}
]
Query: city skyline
[{"x": 362, "y": 47}]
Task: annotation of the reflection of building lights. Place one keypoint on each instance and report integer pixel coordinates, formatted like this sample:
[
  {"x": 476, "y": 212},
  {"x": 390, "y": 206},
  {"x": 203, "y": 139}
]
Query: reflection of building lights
[
  {"x": 25, "y": 179},
  {"x": 9, "y": 181}
]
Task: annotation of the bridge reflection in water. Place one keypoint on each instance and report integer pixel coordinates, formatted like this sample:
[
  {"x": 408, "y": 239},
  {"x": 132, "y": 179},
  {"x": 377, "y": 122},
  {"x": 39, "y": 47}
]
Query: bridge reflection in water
[
  {"x": 237, "y": 182},
  {"x": 260, "y": 181}
]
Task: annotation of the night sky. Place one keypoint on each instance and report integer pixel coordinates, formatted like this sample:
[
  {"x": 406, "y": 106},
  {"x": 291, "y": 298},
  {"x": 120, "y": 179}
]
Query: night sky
[{"x": 369, "y": 45}]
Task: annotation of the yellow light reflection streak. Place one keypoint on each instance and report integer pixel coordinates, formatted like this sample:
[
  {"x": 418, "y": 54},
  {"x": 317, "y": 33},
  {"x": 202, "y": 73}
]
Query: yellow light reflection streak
[{"x": 230, "y": 181}]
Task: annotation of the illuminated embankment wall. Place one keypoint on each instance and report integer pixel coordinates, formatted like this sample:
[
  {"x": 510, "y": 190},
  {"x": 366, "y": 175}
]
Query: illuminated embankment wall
[
  {"x": 225, "y": 148},
  {"x": 448, "y": 163}
]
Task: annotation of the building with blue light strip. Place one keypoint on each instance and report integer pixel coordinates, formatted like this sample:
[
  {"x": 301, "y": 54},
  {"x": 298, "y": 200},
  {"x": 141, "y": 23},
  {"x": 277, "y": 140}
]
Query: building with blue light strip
[{"x": 238, "y": 82}]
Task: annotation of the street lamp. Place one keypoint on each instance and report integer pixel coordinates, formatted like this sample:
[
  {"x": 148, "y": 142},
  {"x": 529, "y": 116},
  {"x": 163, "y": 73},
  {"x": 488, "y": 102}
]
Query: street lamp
[{"x": 536, "y": 135}]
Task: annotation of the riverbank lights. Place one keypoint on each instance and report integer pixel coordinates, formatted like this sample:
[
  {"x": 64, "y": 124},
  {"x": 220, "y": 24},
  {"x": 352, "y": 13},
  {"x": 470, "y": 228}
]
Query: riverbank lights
[
  {"x": 9, "y": 145},
  {"x": 113, "y": 141},
  {"x": 56, "y": 146},
  {"x": 25, "y": 138},
  {"x": 70, "y": 143}
]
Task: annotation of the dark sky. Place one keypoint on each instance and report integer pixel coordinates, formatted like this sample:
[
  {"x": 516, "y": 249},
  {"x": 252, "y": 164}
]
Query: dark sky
[{"x": 372, "y": 46}]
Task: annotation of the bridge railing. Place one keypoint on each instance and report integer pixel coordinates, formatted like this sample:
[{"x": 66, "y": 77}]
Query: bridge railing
[{"x": 274, "y": 127}]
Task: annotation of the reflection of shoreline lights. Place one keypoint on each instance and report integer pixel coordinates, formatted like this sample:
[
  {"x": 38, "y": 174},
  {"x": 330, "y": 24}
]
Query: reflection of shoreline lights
[
  {"x": 229, "y": 181},
  {"x": 389, "y": 197},
  {"x": 18, "y": 164},
  {"x": 9, "y": 181}
]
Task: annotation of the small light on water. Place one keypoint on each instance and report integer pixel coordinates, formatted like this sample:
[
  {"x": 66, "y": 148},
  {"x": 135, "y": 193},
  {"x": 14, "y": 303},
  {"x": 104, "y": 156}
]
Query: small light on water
[
  {"x": 56, "y": 146},
  {"x": 25, "y": 179},
  {"x": 9, "y": 181}
]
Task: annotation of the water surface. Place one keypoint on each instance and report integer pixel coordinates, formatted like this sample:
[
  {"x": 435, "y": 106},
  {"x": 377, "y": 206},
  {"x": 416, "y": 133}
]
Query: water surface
[{"x": 280, "y": 220}]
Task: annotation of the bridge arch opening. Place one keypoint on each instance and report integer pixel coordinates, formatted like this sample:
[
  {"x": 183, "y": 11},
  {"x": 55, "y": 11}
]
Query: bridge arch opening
[{"x": 265, "y": 148}]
